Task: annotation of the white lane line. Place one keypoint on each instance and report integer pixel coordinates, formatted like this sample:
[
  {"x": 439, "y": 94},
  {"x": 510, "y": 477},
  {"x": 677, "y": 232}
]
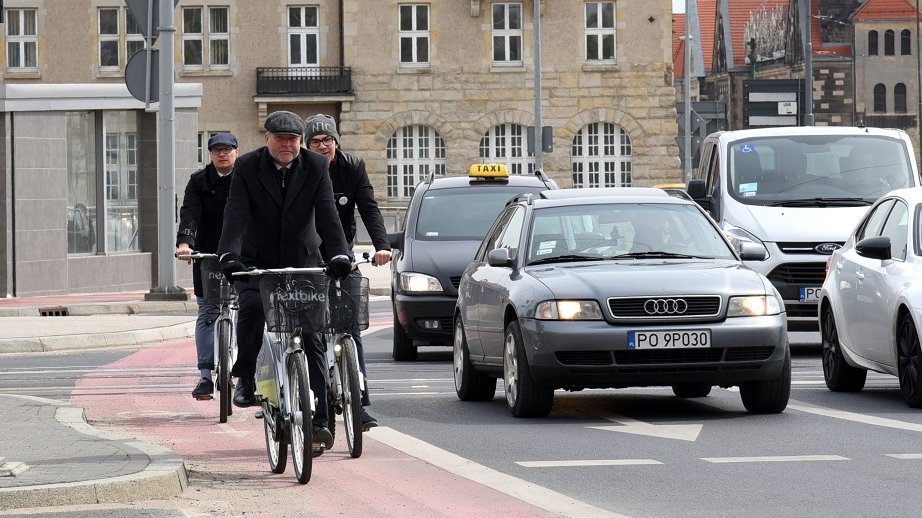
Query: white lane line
[
  {"x": 776, "y": 458},
  {"x": 852, "y": 416},
  {"x": 905, "y": 456},
  {"x": 586, "y": 463},
  {"x": 525, "y": 491}
]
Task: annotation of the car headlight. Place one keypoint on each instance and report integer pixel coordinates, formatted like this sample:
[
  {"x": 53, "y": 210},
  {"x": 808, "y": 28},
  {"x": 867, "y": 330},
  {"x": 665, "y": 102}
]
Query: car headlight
[
  {"x": 568, "y": 310},
  {"x": 753, "y": 306},
  {"x": 411, "y": 282},
  {"x": 737, "y": 235}
]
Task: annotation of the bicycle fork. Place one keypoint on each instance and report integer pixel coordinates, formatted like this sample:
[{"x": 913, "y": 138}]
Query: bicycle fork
[{"x": 338, "y": 352}]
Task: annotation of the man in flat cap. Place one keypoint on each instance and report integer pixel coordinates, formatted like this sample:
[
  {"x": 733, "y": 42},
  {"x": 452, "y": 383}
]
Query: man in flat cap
[
  {"x": 200, "y": 220},
  {"x": 281, "y": 197}
]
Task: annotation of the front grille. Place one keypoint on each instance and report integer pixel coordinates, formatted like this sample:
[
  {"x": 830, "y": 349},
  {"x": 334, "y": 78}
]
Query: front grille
[
  {"x": 455, "y": 281},
  {"x": 599, "y": 363},
  {"x": 668, "y": 356},
  {"x": 806, "y": 274},
  {"x": 801, "y": 310},
  {"x": 747, "y": 354},
  {"x": 794, "y": 248},
  {"x": 633, "y": 307},
  {"x": 584, "y": 357}
]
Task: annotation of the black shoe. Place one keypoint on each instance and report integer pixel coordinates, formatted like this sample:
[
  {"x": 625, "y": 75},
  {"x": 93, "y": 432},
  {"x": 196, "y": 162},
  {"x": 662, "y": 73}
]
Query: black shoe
[
  {"x": 368, "y": 421},
  {"x": 204, "y": 390},
  {"x": 245, "y": 393},
  {"x": 322, "y": 435}
]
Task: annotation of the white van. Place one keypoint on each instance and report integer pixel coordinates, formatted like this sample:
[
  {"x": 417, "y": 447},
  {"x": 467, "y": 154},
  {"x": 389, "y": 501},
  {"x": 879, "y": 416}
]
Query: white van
[{"x": 798, "y": 192}]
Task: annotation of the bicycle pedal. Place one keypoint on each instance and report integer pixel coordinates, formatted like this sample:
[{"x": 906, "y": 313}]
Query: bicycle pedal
[
  {"x": 317, "y": 451},
  {"x": 258, "y": 414}
]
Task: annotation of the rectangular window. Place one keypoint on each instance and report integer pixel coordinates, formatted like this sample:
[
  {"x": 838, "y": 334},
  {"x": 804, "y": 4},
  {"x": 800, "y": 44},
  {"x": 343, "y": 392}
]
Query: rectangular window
[
  {"x": 134, "y": 39},
  {"x": 131, "y": 160},
  {"x": 414, "y": 34},
  {"x": 507, "y": 34},
  {"x": 218, "y": 37},
  {"x": 121, "y": 157},
  {"x": 108, "y": 38},
  {"x": 200, "y": 147},
  {"x": 111, "y": 153},
  {"x": 21, "y": 39},
  {"x": 303, "y": 34},
  {"x": 192, "y": 37},
  {"x": 600, "y": 32},
  {"x": 81, "y": 182}
]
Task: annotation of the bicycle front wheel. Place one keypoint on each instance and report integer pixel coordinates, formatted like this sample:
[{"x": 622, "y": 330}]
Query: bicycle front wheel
[
  {"x": 299, "y": 392},
  {"x": 351, "y": 394},
  {"x": 225, "y": 343}
]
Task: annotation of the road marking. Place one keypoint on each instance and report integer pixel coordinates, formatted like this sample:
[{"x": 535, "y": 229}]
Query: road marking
[
  {"x": 525, "y": 491},
  {"x": 852, "y": 416},
  {"x": 777, "y": 458},
  {"x": 683, "y": 432},
  {"x": 586, "y": 463},
  {"x": 905, "y": 456}
]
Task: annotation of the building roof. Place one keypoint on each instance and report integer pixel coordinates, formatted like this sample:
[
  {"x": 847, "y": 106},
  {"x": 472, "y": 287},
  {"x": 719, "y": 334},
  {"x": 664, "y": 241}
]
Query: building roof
[
  {"x": 885, "y": 10},
  {"x": 678, "y": 45},
  {"x": 740, "y": 14},
  {"x": 707, "y": 13}
]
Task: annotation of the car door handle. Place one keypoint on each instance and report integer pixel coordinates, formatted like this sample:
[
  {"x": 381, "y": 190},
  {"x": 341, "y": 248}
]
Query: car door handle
[{"x": 860, "y": 275}]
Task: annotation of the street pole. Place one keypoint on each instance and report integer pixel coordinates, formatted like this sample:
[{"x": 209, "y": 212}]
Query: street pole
[
  {"x": 166, "y": 160},
  {"x": 539, "y": 152},
  {"x": 686, "y": 173},
  {"x": 806, "y": 18},
  {"x": 918, "y": 79}
]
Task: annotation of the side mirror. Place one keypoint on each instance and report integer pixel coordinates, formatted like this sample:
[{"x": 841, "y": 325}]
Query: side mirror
[
  {"x": 395, "y": 239},
  {"x": 696, "y": 189},
  {"x": 874, "y": 248},
  {"x": 753, "y": 252},
  {"x": 499, "y": 257}
]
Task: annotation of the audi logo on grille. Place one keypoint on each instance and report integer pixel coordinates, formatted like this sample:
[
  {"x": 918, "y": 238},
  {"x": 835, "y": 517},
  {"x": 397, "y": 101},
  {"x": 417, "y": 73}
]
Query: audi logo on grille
[{"x": 665, "y": 306}]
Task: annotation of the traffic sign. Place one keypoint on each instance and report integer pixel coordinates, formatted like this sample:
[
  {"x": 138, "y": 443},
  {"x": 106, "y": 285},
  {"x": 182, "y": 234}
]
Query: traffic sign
[
  {"x": 140, "y": 10},
  {"x": 136, "y": 73}
]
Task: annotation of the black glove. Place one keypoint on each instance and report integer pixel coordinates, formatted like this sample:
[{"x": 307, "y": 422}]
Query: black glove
[
  {"x": 230, "y": 264},
  {"x": 339, "y": 267}
]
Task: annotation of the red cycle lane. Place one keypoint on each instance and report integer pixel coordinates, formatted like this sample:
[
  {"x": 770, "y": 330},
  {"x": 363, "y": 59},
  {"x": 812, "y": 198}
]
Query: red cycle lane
[{"x": 147, "y": 395}]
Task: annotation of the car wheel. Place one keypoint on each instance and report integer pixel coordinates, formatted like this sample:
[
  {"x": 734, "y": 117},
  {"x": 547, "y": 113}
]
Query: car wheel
[
  {"x": 524, "y": 397},
  {"x": 769, "y": 396},
  {"x": 840, "y": 376},
  {"x": 404, "y": 350},
  {"x": 691, "y": 389},
  {"x": 469, "y": 384},
  {"x": 909, "y": 362}
]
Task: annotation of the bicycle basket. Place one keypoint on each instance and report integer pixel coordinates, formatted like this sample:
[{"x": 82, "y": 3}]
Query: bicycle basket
[
  {"x": 211, "y": 280},
  {"x": 349, "y": 305},
  {"x": 295, "y": 301}
]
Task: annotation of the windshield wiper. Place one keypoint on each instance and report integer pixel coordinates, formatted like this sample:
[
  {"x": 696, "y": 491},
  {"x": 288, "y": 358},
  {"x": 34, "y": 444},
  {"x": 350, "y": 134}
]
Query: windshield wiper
[
  {"x": 656, "y": 254},
  {"x": 822, "y": 202},
  {"x": 566, "y": 258}
]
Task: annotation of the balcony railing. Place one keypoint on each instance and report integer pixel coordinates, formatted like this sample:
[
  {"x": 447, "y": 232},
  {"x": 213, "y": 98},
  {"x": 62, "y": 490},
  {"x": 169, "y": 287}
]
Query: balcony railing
[{"x": 303, "y": 80}]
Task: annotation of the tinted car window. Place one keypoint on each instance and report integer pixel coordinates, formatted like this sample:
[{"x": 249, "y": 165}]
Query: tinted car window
[
  {"x": 462, "y": 214},
  {"x": 875, "y": 220},
  {"x": 896, "y": 229}
]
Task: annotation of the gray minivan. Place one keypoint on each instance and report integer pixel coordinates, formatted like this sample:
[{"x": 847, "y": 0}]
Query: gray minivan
[{"x": 798, "y": 192}]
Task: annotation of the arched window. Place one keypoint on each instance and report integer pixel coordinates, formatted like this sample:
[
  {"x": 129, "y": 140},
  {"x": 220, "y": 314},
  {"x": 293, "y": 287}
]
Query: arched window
[
  {"x": 905, "y": 42},
  {"x": 412, "y": 153},
  {"x": 880, "y": 98},
  {"x": 601, "y": 156},
  {"x": 888, "y": 42},
  {"x": 899, "y": 98},
  {"x": 872, "y": 43},
  {"x": 506, "y": 144}
]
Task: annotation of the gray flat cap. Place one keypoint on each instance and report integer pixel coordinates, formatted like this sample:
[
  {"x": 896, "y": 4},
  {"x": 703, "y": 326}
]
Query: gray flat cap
[{"x": 285, "y": 123}]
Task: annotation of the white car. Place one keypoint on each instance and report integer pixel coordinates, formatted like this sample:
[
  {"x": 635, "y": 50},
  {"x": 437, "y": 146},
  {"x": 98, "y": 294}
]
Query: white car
[{"x": 871, "y": 302}]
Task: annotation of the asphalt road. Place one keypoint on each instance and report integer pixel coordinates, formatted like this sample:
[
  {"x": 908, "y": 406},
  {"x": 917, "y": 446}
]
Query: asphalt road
[{"x": 635, "y": 452}]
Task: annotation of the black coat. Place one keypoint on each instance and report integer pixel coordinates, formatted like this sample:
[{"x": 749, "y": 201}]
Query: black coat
[
  {"x": 269, "y": 231},
  {"x": 351, "y": 189},
  {"x": 202, "y": 215}
]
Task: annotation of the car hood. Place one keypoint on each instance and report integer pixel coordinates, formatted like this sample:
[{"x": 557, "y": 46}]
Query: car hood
[
  {"x": 442, "y": 259},
  {"x": 786, "y": 224},
  {"x": 649, "y": 277}
]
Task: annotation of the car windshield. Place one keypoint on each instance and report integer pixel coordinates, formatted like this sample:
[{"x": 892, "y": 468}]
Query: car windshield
[
  {"x": 623, "y": 231},
  {"x": 464, "y": 213},
  {"x": 817, "y": 170}
]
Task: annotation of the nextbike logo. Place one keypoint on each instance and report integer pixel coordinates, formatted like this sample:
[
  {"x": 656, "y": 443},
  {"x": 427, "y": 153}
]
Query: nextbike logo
[
  {"x": 215, "y": 276},
  {"x": 302, "y": 296}
]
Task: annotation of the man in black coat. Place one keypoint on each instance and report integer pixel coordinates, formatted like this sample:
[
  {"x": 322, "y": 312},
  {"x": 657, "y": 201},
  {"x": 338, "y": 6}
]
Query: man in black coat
[
  {"x": 351, "y": 189},
  {"x": 200, "y": 220},
  {"x": 281, "y": 197}
]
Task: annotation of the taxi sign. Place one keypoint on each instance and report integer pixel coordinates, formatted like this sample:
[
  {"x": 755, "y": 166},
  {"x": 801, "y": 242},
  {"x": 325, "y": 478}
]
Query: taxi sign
[{"x": 488, "y": 171}]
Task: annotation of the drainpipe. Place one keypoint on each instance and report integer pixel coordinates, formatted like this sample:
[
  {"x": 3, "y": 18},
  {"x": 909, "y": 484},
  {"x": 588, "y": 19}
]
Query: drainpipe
[{"x": 11, "y": 290}]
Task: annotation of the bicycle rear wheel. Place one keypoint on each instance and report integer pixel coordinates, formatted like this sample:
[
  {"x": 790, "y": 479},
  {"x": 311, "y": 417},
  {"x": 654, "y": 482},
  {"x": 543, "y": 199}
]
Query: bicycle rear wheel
[
  {"x": 351, "y": 394},
  {"x": 299, "y": 392},
  {"x": 224, "y": 378},
  {"x": 276, "y": 442}
]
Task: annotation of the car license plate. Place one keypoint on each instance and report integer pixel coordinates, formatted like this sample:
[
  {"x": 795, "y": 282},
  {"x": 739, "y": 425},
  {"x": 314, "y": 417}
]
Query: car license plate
[
  {"x": 684, "y": 339},
  {"x": 810, "y": 294}
]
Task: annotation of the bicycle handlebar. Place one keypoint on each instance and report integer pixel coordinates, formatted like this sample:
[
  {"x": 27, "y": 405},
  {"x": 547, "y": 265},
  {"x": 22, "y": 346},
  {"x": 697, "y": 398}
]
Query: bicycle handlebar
[
  {"x": 288, "y": 270},
  {"x": 199, "y": 255}
]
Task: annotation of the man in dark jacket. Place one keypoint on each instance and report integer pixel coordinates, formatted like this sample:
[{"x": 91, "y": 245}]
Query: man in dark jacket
[
  {"x": 200, "y": 221},
  {"x": 351, "y": 189},
  {"x": 281, "y": 198}
]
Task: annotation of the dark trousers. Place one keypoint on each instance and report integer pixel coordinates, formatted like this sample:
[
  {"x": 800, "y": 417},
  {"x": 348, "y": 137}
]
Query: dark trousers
[{"x": 250, "y": 324}]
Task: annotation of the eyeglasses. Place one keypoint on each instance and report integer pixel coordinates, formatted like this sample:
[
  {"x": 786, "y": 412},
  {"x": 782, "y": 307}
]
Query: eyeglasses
[
  {"x": 222, "y": 150},
  {"x": 315, "y": 142}
]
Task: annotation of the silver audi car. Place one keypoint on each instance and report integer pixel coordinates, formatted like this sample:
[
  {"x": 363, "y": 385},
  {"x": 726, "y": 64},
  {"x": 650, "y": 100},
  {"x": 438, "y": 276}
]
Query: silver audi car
[{"x": 612, "y": 288}]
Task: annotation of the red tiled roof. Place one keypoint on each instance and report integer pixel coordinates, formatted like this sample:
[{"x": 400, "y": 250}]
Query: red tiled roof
[
  {"x": 885, "y": 10},
  {"x": 678, "y": 45},
  {"x": 707, "y": 14},
  {"x": 740, "y": 14}
]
